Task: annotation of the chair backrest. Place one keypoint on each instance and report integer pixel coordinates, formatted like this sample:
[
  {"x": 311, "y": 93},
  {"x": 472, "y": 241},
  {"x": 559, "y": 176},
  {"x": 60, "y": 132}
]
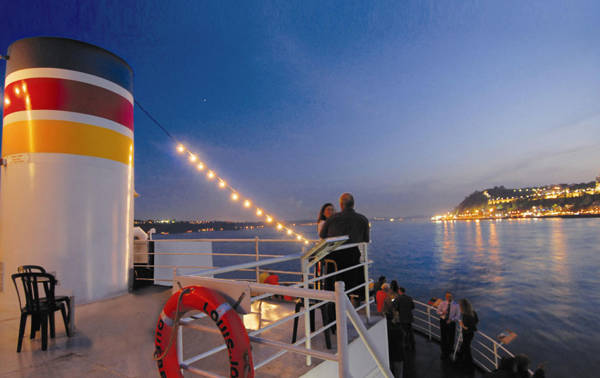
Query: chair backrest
[
  {"x": 30, "y": 285},
  {"x": 31, "y": 269}
]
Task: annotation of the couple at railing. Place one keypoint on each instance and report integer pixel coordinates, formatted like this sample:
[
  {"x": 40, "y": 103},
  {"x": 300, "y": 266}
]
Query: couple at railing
[
  {"x": 349, "y": 223},
  {"x": 451, "y": 314}
]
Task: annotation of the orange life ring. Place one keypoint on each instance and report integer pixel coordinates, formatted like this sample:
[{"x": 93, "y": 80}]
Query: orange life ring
[{"x": 224, "y": 316}]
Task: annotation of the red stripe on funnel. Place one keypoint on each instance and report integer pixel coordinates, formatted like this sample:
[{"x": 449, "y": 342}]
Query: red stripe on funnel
[{"x": 67, "y": 95}]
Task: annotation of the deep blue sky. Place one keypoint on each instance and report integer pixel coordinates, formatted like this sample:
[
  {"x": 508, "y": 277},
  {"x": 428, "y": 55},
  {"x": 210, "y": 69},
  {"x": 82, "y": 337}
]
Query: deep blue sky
[{"x": 409, "y": 105}]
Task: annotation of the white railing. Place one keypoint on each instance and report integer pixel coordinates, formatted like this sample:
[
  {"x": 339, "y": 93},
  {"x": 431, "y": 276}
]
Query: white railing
[
  {"x": 300, "y": 289},
  {"x": 255, "y": 243},
  {"x": 486, "y": 351}
]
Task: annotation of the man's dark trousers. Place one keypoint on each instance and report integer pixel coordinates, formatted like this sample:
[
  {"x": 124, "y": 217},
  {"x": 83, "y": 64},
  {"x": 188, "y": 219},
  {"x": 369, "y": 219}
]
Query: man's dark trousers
[{"x": 448, "y": 332}]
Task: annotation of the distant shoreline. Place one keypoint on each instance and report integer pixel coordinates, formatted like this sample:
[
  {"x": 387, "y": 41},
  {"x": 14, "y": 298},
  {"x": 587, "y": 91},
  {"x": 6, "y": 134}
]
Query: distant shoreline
[{"x": 518, "y": 218}]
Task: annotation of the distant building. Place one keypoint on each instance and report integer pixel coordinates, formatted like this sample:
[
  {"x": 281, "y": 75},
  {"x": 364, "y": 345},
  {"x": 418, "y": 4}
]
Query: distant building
[{"x": 598, "y": 184}]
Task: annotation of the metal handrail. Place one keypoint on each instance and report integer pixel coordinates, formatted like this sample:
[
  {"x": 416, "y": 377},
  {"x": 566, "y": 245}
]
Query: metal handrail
[
  {"x": 246, "y": 240},
  {"x": 257, "y": 255},
  {"x": 426, "y": 318},
  {"x": 492, "y": 354},
  {"x": 178, "y": 253},
  {"x": 300, "y": 289}
]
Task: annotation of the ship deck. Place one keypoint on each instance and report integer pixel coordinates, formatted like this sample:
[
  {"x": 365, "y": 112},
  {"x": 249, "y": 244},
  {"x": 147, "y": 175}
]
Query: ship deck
[{"x": 115, "y": 338}]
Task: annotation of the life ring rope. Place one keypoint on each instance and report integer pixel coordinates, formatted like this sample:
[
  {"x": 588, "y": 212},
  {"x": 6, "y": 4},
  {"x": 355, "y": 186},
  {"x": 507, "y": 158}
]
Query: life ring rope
[{"x": 221, "y": 312}]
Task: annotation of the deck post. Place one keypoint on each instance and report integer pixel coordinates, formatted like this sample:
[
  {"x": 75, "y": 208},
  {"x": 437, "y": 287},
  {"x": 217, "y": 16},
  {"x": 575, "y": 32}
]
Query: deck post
[
  {"x": 180, "y": 345},
  {"x": 365, "y": 250},
  {"x": 495, "y": 355},
  {"x": 429, "y": 322},
  {"x": 307, "y": 329},
  {"x": 257, "y": 258},
  {"x": 342, "y": 330}
]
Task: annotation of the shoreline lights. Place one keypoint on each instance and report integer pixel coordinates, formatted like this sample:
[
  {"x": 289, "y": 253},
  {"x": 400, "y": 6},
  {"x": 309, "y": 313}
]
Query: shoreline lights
[{"x": 235, "y": 195}]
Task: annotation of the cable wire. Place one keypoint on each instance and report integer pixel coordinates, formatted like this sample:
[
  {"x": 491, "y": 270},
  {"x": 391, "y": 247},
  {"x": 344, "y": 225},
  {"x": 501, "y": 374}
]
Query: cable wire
[{"x": 156, "y": 122}]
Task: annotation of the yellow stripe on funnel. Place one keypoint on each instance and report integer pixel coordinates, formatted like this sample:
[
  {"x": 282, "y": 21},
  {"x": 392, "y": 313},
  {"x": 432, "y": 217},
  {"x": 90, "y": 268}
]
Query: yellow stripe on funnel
[{"x": 66, "y": 138}]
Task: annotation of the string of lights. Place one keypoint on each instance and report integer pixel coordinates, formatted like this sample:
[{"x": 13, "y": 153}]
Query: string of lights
[{"x": 234, "y": 194}]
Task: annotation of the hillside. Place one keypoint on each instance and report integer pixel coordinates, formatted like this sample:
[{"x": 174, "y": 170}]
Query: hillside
[{"x": 552, "y": 200}]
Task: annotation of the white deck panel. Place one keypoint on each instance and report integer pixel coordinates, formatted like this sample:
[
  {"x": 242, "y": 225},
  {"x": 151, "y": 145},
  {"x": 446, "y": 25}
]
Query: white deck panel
[{"x": 361, "y": 362}]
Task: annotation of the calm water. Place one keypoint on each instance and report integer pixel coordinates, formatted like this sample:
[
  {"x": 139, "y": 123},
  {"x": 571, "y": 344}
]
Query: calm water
[{"x": 539, "y": 278}]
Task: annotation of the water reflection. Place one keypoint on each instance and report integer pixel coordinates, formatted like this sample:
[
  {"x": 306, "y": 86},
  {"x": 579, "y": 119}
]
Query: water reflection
[
  {"x": 478, "y": 240},
  {"x": 493, "y": 241},
  {"x": 494, "y": 254},
  {"x": 449, "y": 244},
  {"x": 468, "y": 233},
  {"x": 558, "y": 248}
]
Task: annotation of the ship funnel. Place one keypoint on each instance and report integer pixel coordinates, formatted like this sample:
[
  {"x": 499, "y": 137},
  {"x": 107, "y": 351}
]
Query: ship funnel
[{"x": 66, "y": 190}]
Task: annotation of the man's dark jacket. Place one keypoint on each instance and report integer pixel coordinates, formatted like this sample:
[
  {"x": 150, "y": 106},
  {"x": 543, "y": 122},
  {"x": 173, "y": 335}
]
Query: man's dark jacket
[
  {"x": 348, "y": 222},
  {"x": 404, "y": 304}
]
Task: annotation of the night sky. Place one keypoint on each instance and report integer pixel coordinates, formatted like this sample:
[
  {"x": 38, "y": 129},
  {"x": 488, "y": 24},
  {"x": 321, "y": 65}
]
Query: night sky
[{"x": 410, "y": 105}]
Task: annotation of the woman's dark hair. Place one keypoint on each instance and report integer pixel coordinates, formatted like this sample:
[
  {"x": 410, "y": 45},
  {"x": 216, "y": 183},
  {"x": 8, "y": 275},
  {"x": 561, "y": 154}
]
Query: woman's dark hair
[
  {"x": 321, "y": 213},
  {"x": 394, "y": 286},
  {"x": 466, "y": 307}
]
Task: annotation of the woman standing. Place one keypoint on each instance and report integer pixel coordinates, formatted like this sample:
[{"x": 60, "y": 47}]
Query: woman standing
[
  {"x": 327, "y": 211},
  {"x": 468, "y": 324},
  {"x": 395, "y": 333}
]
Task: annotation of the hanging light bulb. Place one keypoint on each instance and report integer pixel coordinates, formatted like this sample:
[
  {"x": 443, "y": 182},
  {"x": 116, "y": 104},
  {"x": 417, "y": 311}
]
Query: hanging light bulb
[
  {"x": 210, "y": 175},
  {"x": 222, "y": 184},
  {"x": 289, "y": 232},
  {"x": 306, "y": 242},
  {"x": 180, "y": 148},
  {"x": 247, "y": 203},
  {"x": 193, "y": 158},
  {"x": 269, "y": 219},
  {"x": 235, "y": 196},
  {"x": 259, "y": 212},
  {"x": 200, "y": 166},
  {"x": 299, "y": 237},
  {"x": 279, "y": 226}
]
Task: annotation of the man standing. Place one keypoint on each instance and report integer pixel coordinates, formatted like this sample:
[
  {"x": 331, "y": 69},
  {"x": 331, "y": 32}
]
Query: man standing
[
  {"x": 405, "y": 305},
  {"x": 356, "y": 227},
  {"x": 449, "y": 313}
]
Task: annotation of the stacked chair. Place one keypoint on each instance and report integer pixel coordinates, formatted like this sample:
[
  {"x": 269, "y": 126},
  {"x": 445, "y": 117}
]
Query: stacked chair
[{"x": 35, "y": 291}]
